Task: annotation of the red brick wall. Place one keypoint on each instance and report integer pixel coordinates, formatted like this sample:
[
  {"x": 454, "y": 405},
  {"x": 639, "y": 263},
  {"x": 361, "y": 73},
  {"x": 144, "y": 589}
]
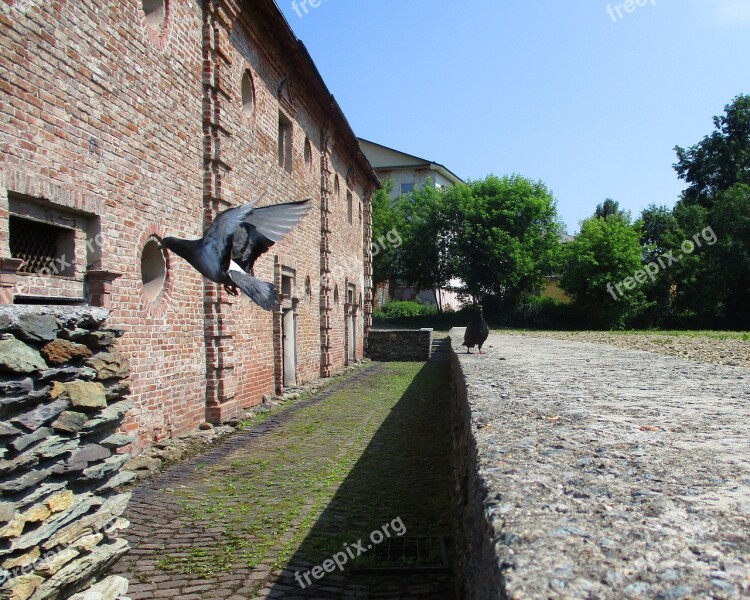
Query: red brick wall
[
  {"x": 103, "y": 115},
  {"x": 257, "y": 174}
]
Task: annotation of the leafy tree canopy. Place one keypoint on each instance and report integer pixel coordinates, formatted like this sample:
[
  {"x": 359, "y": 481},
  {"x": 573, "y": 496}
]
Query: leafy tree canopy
[
  {"x": 503, "y": 236},
  {"x": 719, "y": 161},
  {"x": 604, "y": 254}
]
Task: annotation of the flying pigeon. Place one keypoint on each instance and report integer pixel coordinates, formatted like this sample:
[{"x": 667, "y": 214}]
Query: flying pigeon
[
  {"x": 477, "y": 331},
  {"x": 232, "y": 243}
]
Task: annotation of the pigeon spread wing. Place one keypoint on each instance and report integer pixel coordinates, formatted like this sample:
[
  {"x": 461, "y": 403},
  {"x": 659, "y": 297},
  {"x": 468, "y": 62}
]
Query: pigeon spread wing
[
  {"x": 218, "y": 239},
  {"x": 262, "y": 228},
  {"x": 274, "y": 222}
]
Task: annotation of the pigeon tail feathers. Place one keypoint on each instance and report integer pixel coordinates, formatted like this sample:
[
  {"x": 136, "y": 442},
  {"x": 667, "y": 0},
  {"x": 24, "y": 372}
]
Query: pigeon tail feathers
[{"x": 260, "y": 292}]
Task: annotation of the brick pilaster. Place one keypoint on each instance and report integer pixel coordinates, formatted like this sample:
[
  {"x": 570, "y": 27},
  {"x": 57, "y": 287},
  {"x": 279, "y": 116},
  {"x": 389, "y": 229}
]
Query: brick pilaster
[
  {"x": 219, "y": 17},
  {"x": 326, "y": 285},
  {"x": 368, "y": 291}
]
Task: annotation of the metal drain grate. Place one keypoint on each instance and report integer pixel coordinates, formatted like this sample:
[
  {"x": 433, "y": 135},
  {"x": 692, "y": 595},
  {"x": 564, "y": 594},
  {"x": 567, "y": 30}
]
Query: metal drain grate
[{"x": 406, "y": 554}]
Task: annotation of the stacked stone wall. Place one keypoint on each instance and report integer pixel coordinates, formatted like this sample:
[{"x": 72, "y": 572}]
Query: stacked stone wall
[
  {"x": 393, "y": 345},
  {"x": 63, "y": 397}
]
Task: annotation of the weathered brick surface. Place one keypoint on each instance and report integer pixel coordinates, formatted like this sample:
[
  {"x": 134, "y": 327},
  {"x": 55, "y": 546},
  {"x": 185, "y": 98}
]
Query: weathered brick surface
[{"x": 142, "y": 132}]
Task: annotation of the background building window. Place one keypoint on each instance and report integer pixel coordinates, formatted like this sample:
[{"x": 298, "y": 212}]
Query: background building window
[
  {"x": 308, "y": 154},
  {"x": 153, "y": 270},
  {"x": 287, "y": 285},
  {"x": 56, "y": 245},
  {"x": 349, "y": 208},
  {"x": 248, "y": 94},
  {"x": 407, "y": 188},
  {"x": 285, "y": 143},
  {"x": 156, "y": 12}
]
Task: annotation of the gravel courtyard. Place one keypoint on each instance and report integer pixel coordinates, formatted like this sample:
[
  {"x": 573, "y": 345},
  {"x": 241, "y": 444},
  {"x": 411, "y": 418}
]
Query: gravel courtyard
[
  {"x": 612, "y": 473},
  {"x": 721, "y": 348}
]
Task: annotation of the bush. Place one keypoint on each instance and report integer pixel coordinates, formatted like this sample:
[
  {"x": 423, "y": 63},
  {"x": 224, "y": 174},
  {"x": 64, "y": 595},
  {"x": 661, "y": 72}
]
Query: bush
[
  {"x": 395, "y": 309},
  {"x": 535, "y": 312}
]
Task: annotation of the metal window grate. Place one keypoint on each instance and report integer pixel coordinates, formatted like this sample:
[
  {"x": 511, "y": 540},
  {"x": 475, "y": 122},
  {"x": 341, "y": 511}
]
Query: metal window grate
[{"x": 35, "y": 243}]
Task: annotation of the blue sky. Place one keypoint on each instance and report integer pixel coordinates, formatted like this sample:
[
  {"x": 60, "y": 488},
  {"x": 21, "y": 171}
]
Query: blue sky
[{"x": 589, "y": 102}]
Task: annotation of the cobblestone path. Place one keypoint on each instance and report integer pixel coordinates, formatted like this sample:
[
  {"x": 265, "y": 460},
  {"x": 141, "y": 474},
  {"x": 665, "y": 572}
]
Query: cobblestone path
[{"x": 273, "y": 512}]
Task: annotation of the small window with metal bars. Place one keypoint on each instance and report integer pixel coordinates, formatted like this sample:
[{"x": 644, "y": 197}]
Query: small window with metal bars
[{"x": 44, "y": 248}]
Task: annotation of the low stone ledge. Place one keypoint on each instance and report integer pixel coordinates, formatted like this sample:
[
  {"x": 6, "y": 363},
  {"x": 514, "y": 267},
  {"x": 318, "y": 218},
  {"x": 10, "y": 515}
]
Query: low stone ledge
[
  {"x": 394, "y": 345},
  {"x": 478, "y": 566},
  {"x": 587, "y": 471}
]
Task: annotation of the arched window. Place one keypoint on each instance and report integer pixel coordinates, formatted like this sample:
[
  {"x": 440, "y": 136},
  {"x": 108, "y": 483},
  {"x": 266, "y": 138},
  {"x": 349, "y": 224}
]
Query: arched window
[{"x": 248, "y": 94}]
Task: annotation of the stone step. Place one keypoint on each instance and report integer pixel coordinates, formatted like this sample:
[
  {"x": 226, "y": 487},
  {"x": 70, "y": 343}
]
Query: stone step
[{"x": 440, "y": 350}]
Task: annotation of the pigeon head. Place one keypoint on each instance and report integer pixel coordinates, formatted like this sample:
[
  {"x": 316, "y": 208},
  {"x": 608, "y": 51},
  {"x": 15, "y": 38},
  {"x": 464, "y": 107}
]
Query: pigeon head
[
  {"x": 183, "y": 248},
  {"x": 174, "y": 244},
  {"x": 166, "y": 243}
]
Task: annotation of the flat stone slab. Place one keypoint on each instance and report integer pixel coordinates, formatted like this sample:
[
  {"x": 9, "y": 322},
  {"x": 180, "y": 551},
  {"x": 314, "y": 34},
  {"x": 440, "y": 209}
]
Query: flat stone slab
[{"x": 611, "y": 473}]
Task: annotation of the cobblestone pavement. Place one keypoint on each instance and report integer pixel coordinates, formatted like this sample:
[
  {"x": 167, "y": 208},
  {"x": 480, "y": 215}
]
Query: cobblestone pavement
[
  {"x": 612, "y": 473},
  {"x": 267, "y": 512}
]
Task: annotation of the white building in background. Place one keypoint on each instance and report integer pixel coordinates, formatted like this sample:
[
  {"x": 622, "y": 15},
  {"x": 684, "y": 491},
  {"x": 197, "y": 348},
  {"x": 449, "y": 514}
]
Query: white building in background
[
  {"x": 407, "y": 171},
  {"x": 447, "y": 300}
]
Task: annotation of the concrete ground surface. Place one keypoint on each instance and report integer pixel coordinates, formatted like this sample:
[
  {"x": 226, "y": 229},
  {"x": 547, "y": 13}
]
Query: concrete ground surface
[
  {"x": 612, "y": 473},
  {"x": 351, "y": 486}
]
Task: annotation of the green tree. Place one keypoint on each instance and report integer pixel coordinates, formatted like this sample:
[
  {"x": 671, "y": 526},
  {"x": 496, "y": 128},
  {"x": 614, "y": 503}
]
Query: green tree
[
  {"x": 660, "y": 233},
  {"x": 610, "y": 208},
  {"x": 721, "y": 160},
  {"x": 386, "y": 218},
  {"x": 606, "y": 253},
  {"x": 503, "y": 237},
  {"x": 690, "y": 294},
  {"x": 711, "y": 284},
  {"x": 658, "y": 229},
  {"x": 424, "y": 260},
  {"x": 727, "y": 264}
]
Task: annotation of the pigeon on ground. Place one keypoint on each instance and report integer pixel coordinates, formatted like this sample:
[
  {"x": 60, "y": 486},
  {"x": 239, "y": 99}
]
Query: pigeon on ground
[
  {"x": 233, "y": 242},
  {"x": 477, "y": 331}
]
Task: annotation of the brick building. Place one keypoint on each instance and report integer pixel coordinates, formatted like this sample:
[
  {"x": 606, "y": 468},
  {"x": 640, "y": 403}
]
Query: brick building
[{"x": 124, "y": 120}]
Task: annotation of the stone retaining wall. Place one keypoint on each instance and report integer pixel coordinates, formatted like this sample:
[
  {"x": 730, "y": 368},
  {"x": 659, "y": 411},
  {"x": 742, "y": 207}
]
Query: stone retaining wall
[
  {"x": 588, "y": 471},
  {"x": 393, "y": 345},
  {"x": 63, "y": 395},
  {"x": 478, "y": 573}
]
